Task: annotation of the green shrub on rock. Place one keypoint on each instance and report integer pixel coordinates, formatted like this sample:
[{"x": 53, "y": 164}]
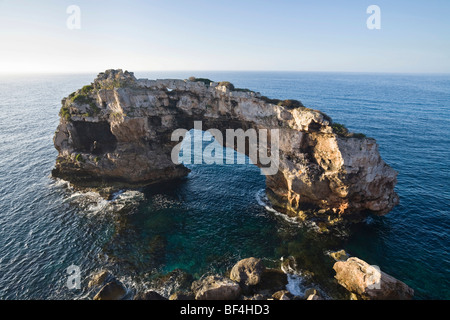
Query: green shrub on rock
[
  {"x": 206, "y": 81},
  {"x": 291, "y": 104},
  {"x": 86, "y": 89},
  {"x": 227, "y": 85},
  {"x": 65, "y": 113},
  {"x": 243, "y": 90},
  {"x": 341, "y": 130}
]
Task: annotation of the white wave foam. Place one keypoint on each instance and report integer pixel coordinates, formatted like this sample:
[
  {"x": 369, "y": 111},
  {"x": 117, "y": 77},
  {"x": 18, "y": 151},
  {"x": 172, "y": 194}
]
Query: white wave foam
[
  {"x": 296, "y": 284},
  {"x": 60, "y": 183},
  {"x": 124, "y": 196},
  {"x": 260, "y": 198},
  {"x": 92, "y": 203},
  {"x": 263, "y": 201},
  {"x": 296, "y": 281}
]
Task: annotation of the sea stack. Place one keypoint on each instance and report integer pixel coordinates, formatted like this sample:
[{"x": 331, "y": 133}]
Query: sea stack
[{"x": 117, "y": 132}]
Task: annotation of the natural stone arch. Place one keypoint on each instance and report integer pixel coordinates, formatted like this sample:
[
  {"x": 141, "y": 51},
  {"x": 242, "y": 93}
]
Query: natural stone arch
[{"x": 117, "y": 131}]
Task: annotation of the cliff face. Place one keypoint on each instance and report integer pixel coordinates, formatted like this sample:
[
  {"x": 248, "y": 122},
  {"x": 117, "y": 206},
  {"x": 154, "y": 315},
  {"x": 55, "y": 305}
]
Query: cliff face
[{"x": 117, "y": 131}]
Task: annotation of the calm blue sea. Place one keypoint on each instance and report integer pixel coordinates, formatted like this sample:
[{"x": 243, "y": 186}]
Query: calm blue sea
[{"x": 218, "y": 214}]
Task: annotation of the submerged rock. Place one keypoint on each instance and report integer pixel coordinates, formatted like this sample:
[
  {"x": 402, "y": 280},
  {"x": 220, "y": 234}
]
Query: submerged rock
[
  {"x": 272, "y": 280},
  {"x": 175, "y": 281},
  {"x": 340, "y": 255},
  {"x": 117, "y": 132},
  {"x": 370, "y": 283}
]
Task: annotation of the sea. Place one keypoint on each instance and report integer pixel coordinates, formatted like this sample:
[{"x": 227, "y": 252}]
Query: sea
[{"x": 165, "y": 236}]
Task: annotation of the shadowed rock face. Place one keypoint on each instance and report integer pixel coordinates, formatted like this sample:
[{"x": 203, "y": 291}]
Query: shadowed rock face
[
  {"x": 117, "y": 131},
  {"x": 93, "y": 137}
]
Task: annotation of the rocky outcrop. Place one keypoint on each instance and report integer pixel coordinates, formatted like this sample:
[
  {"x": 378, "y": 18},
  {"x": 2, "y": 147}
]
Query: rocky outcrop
[
  {"x": 107, "y": 286},
  {"x": 117, "y": 132},
  {"x": 247, "y": 272},
  {"x": 369, "y": 282},
  {"x": 251, "y": 280},
  {"x": 113, "y": 290},
  {"x": 216, "y": 287},
  {"x": 100, "y": 278}
]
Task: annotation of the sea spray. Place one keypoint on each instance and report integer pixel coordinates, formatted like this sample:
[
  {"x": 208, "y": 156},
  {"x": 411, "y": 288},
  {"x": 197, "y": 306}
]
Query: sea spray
[{"x": 263, "y": 201}]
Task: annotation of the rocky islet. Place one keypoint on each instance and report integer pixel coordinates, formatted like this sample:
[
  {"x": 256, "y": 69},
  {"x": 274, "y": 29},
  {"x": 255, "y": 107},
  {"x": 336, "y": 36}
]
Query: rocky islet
[{"x": 116, "y": 132}]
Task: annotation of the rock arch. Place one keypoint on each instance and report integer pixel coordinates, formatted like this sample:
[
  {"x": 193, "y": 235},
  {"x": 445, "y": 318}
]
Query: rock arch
[{"x": 117, "y": 131}]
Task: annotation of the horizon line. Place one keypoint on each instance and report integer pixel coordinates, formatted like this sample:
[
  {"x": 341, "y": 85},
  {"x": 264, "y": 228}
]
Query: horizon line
[{"x": 211, "y": 70}]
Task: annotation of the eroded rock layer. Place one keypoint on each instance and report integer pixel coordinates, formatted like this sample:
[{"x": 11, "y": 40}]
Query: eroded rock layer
[{"x": 117, "y": 131}]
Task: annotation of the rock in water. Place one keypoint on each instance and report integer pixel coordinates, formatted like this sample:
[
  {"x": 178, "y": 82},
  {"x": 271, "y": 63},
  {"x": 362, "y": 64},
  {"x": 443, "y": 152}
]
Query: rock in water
[
  {"x": 314, "y": 297},
  {"x": 113, "y": 290},
  {"x": 340, "y": 255},
  {"x": 312, "y": 294},
  {"x": 100, "y": 278},
  {"x": 216, "y": 288},
  {"x": 247, "y": 272},
  {"x": 282, "y": 295},
  {"x": 149, "y": 295},
  {"x": 182, "y": 296},
  {"x": 272, "y": 280},
  {"x": 370, "y": 283},
  {"x": 117, "y": 132}
]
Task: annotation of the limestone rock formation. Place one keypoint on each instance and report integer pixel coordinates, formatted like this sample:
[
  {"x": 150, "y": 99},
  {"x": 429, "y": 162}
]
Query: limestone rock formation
[
  {"x": 247, "y": 272},
  {"x": 216, "y": 288},
  {"x": 117, "y": 132},
  {"x": 370, "y": 283},
  {"x": 100, "y": 278},
  {"x": 113, "y": 290}
]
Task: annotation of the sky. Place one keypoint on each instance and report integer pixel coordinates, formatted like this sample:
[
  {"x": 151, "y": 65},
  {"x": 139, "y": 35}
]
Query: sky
[{"x": 232, "y": 35}]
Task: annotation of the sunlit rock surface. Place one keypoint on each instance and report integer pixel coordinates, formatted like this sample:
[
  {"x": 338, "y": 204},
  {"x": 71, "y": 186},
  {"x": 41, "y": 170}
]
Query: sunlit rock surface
[{"x": 117, "y": 132}]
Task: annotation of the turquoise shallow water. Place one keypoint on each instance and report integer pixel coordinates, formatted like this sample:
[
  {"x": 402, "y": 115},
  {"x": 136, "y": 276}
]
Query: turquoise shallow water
[{"x": 216, "y": 215}]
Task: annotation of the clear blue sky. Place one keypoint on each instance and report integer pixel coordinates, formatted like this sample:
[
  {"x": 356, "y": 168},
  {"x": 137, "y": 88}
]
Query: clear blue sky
[{"x": 316, "y": 35}]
